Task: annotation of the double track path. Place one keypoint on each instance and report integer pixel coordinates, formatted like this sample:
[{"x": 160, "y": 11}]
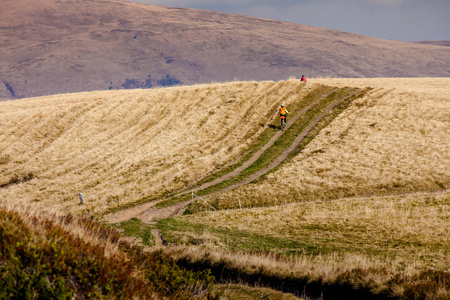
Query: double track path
[{"x": 147, "y": 212}]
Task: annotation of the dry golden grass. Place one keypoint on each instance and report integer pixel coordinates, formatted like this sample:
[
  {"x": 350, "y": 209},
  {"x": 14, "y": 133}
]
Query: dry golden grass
[
  {"x": 394, "y": 140},
  {"x": 119, "y": 146},
  {"x": 399, "y": 233},
  {"x": 375, "y": 274},
  {"x": 116, "y": 147},
  {"x": 367, "y": 241}
]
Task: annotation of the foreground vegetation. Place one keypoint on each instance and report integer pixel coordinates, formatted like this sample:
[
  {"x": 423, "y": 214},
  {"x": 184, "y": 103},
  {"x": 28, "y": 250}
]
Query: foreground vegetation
[{"x": 47, "y": 256}]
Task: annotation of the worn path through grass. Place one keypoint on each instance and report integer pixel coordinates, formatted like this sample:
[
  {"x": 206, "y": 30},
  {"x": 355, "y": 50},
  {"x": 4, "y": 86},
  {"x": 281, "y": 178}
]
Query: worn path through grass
[
  {"x": 291, "y": 148},
  {"x": 250, "y": 170}
]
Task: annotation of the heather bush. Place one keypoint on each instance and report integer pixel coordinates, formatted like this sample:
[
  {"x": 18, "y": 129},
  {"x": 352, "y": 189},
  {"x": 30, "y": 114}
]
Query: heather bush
[{"x": 41, "y": 258}]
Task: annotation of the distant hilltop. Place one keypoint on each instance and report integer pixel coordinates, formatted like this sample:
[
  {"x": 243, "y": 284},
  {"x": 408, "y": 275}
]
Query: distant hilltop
[{"x": 51, "y": 47}]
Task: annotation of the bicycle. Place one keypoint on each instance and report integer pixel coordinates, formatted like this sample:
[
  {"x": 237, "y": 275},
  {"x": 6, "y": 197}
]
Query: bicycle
[{"x": 283, "y": 122}]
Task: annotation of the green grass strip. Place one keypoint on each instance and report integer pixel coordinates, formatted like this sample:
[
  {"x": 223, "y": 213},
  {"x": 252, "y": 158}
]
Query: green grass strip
[
  {"x": 136, "y": 228},
  {"x": 234, "y": 240}
]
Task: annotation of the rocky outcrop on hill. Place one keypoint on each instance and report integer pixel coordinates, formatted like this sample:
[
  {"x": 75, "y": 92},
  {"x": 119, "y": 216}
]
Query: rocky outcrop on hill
[{"x": 6, "y": 91}]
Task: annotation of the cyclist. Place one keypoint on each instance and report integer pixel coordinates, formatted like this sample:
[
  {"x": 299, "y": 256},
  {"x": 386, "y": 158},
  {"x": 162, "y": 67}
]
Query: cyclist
[{"x": 283, "y": 112}]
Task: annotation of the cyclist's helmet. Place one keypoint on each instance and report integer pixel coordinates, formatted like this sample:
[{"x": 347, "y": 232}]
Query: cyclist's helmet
[{"x": 282, "y": 105}]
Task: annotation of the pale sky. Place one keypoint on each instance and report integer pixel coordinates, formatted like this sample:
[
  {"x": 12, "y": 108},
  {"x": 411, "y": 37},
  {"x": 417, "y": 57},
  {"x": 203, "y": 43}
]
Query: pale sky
[{"x": 402, "y": 20}]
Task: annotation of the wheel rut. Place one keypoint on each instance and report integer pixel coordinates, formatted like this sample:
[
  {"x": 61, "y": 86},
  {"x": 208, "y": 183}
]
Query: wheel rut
[{"x": 147, "y": 212}]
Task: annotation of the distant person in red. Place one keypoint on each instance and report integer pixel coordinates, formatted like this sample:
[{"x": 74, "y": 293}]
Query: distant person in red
[{"x": 303, "y": 78}]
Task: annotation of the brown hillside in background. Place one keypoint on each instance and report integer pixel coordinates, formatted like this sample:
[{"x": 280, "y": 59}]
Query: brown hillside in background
[
  {"x": 439, "y": 43},
  {"x": 50, "y": 46}
]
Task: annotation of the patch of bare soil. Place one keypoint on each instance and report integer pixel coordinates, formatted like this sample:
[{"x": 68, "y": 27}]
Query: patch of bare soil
[
  {"x": 128, "y": 213},
  {"x": 159, "y": 242},
  {"x": 154, "y": 213},
  {"x": 147, "y": 212}
]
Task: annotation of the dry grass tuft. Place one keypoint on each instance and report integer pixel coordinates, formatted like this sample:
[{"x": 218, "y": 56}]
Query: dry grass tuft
[{"x": 36, "y": 218}]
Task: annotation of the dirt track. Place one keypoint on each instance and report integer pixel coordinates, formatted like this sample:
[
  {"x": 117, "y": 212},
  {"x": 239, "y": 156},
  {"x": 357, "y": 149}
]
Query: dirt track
[{"x": 148, "y": 213}]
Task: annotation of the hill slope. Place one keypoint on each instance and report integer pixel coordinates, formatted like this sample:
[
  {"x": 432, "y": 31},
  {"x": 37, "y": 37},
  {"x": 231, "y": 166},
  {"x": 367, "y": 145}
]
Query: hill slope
[
  {"x": 51, "y": 47},
  {"x": 395, "y": 140},
  {"x": 50, "y": 256},
  {"x": 119, "y": 147}
]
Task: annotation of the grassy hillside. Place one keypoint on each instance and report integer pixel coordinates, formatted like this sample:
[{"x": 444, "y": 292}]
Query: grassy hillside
[
  {"x": 117, "y": 147},
  {"x": 328, "y": 209},
  {"x": 359, "y": 208}
]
